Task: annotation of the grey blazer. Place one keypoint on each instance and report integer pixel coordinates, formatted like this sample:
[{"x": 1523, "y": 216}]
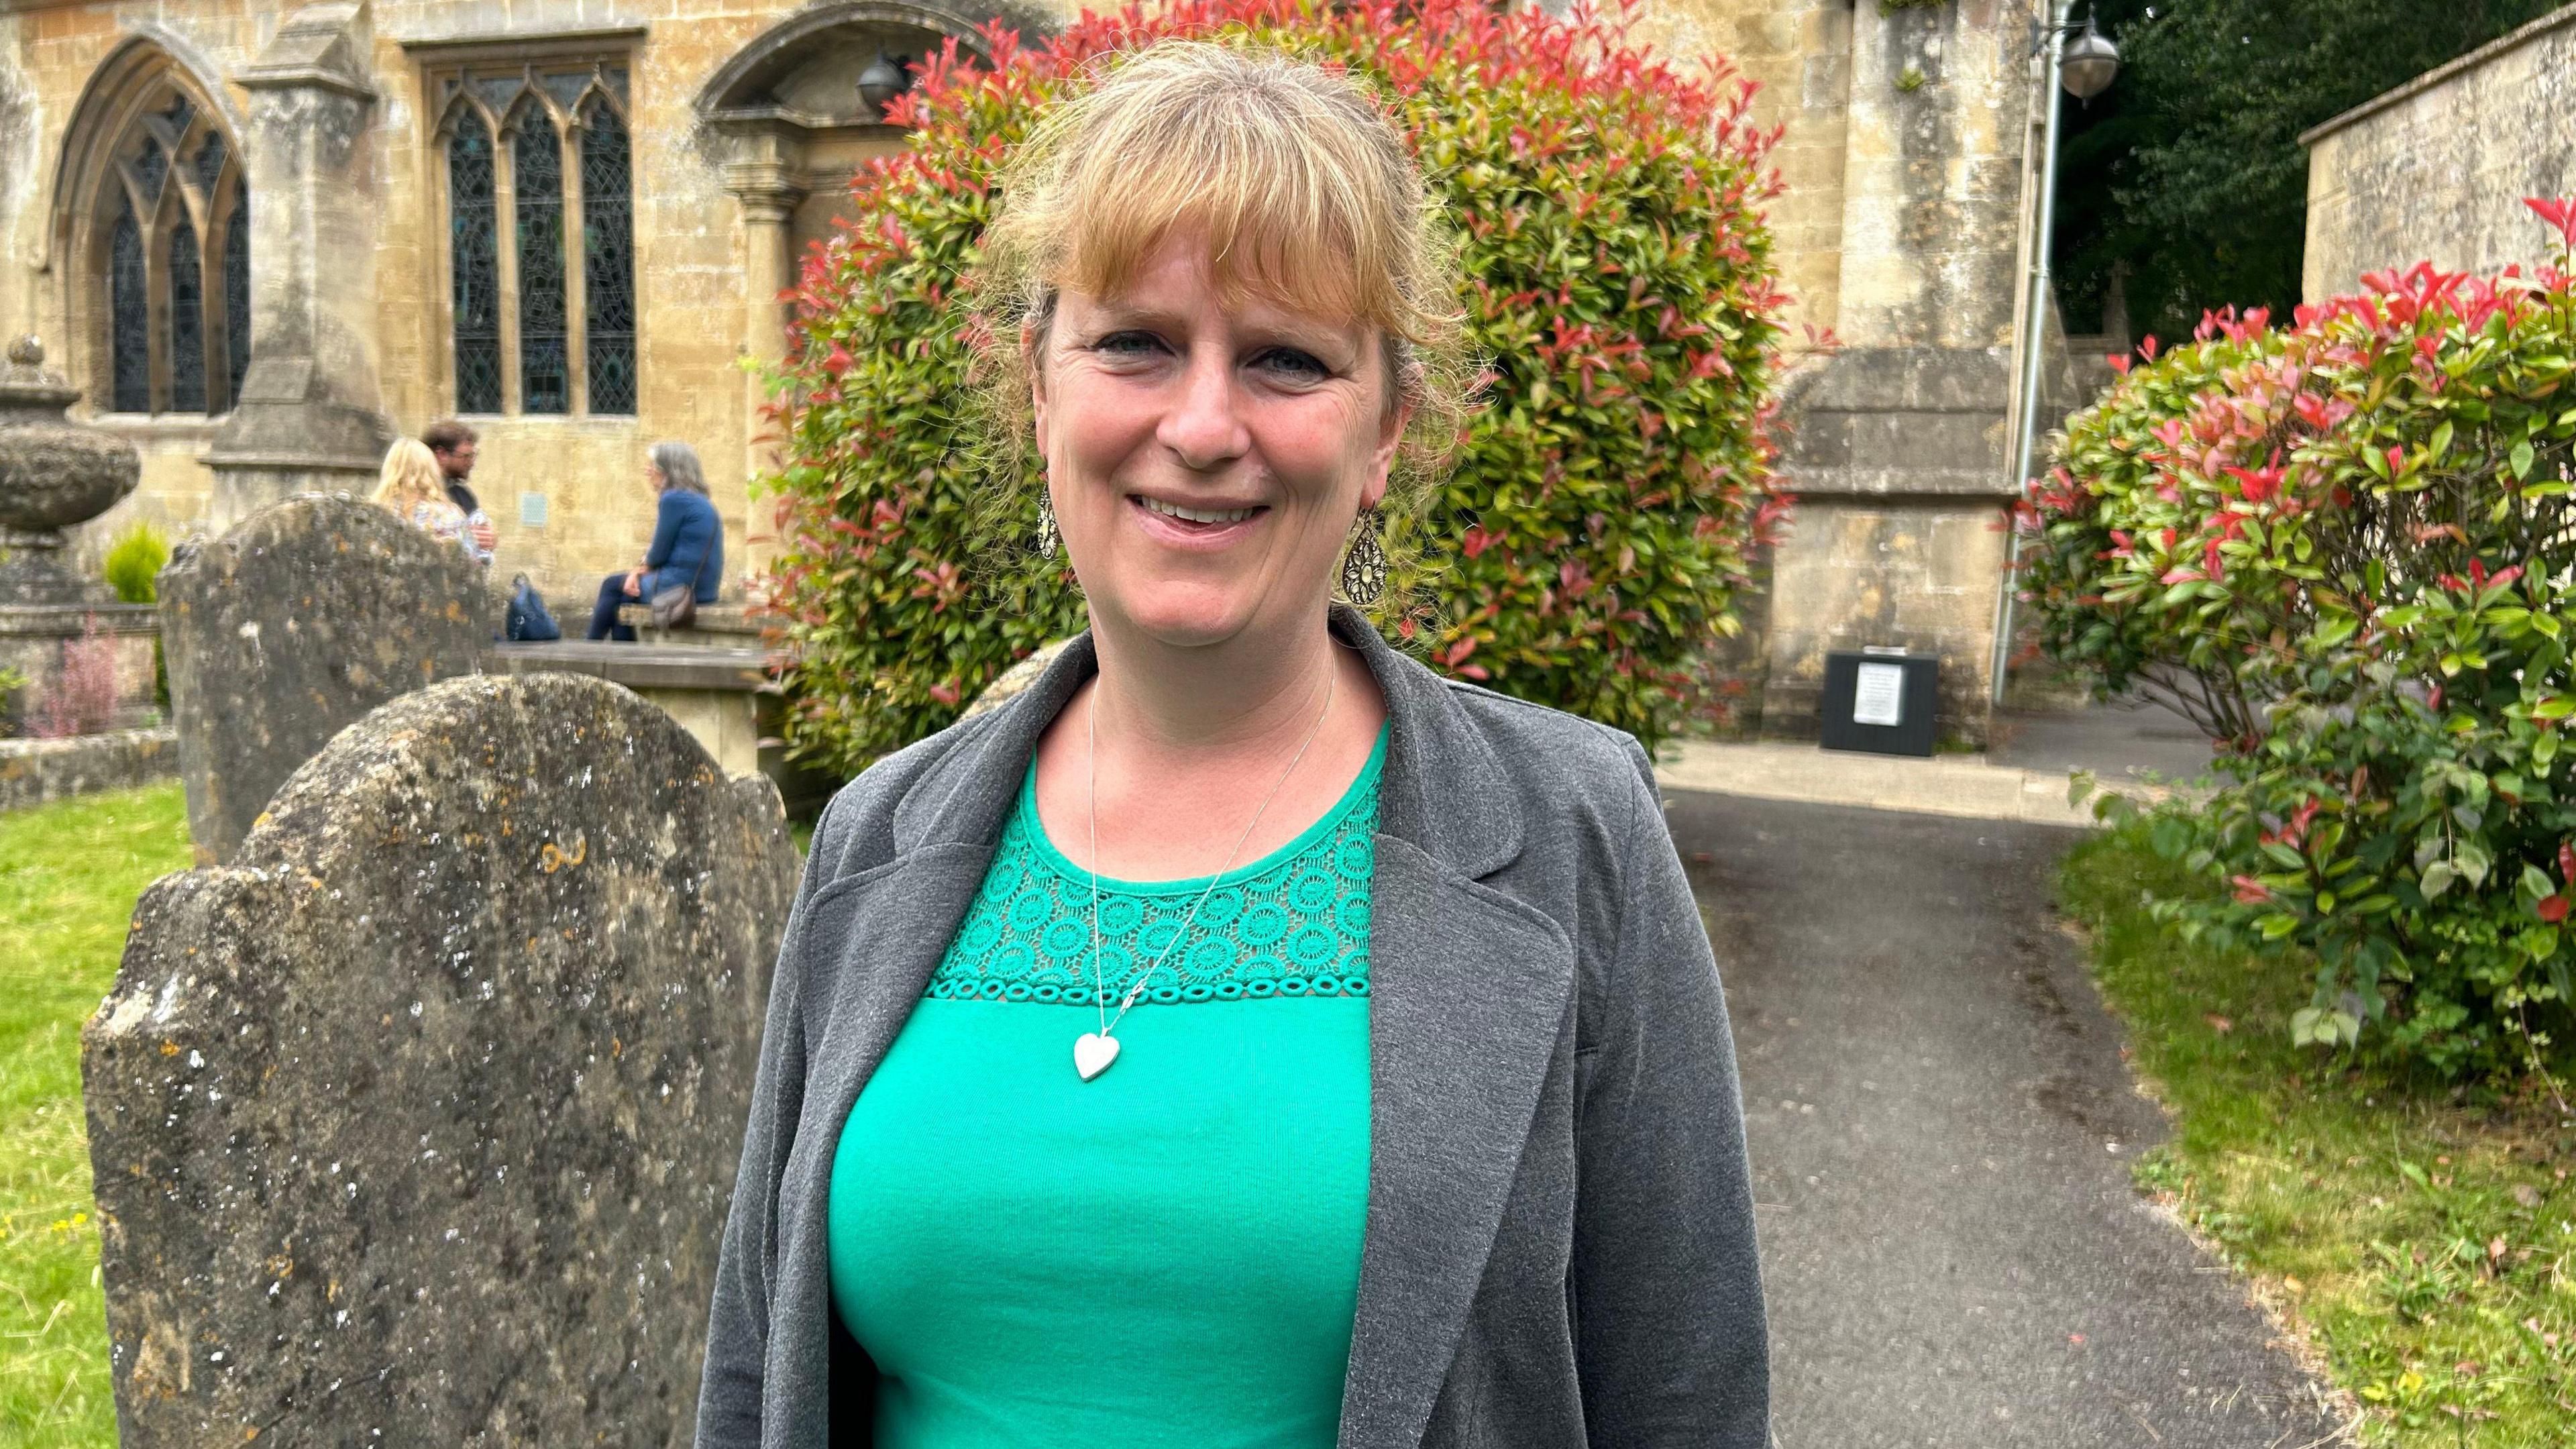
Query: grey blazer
[{"x": 1559, "y": 1244}]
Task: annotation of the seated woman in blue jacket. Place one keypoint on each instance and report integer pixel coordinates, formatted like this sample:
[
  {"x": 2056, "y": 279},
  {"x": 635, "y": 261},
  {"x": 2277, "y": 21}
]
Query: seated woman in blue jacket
[{"x": 688, "y": 542}]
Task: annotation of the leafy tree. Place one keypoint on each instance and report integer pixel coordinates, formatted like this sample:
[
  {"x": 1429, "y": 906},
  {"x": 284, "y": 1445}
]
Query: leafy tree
[{"x": 2188, "y": 175}]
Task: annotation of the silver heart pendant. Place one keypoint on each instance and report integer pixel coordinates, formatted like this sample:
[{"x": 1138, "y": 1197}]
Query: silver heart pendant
[{"x": 1092, "y": 1053}]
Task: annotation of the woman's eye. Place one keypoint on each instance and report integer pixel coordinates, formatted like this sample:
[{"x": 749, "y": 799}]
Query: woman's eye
[
  {"x": 1293, "y": 363},
  {"x": 1127, "y": 344}
]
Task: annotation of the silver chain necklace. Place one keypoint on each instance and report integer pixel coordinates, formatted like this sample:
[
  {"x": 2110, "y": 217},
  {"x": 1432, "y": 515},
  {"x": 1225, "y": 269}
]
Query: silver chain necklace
[{"x": 1094, "y": 1051}]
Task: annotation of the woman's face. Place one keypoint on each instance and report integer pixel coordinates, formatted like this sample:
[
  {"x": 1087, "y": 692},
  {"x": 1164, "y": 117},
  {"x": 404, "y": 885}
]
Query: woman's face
[
  {"x": 1206, "y": 460},
  {"x": 653, "y": 479}
]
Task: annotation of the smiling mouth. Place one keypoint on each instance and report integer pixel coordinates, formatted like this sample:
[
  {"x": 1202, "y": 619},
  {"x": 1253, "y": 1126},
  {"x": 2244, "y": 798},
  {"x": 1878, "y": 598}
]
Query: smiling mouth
[{"x": 1205, "y": 517}]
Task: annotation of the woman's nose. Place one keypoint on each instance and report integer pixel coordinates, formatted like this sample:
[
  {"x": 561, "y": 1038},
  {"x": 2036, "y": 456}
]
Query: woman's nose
[{"x": 1204, "y": 427}]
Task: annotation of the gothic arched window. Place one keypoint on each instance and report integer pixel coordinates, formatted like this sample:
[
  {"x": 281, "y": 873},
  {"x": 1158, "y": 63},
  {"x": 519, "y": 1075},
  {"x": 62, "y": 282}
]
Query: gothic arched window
[
  {"x": 237, "y": 294},
  {"x": 187, "y": 344},
  {"x": 170, "y": 254},
  {"x": 520, "y": 231}
]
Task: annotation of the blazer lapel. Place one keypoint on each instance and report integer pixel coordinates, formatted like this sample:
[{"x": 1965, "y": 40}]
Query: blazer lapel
[{"x": 1468, "y": 991}]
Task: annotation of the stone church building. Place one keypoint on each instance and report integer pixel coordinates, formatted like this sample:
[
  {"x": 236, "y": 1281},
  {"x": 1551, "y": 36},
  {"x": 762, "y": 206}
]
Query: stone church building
[{"x": 267, "y": 238}]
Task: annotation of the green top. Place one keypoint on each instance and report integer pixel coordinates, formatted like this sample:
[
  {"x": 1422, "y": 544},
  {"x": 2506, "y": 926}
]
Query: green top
[{"x": 1168, "y": 1254}]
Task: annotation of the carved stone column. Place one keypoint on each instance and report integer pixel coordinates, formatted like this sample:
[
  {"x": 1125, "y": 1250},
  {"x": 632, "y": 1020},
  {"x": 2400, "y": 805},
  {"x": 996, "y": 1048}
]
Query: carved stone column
[
  {"x": 769, "y": 184},
  {"x": 1899, "y": 455},
  {"x": 310, "y": 414},
  {"x": 768, "y": 205}
]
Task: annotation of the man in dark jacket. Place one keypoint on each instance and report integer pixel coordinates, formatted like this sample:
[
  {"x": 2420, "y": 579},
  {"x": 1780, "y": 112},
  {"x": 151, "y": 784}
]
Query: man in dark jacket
[{"x": 454, "y": 446}]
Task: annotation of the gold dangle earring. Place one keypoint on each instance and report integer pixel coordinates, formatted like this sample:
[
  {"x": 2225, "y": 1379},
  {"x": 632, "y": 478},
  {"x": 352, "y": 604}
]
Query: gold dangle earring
[
  {"x": 1049, "y": 540},
  {"x": 1364, "y": 563}
]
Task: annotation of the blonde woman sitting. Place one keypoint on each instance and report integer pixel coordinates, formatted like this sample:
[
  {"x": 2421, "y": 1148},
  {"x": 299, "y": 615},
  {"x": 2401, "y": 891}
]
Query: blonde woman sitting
[{"x": 409, "y": 487}]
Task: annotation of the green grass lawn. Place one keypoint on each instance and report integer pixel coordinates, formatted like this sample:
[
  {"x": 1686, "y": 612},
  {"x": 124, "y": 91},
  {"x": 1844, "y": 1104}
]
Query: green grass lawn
[
  {"x": 2423, "y": 1236},
  {"x": 69, "y": 875}
]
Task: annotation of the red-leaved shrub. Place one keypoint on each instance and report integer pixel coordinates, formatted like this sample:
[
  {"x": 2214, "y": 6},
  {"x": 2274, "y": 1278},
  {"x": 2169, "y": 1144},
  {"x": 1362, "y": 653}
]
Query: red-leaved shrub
[
  {"x": 1619, "y": 287},
  {"x": 2348, "y": 547},
  {"x": 81, "y": 697}
]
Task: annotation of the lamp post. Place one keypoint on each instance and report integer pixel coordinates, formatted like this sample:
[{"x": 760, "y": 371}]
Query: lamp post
[{"x": 2083, "y": 69}]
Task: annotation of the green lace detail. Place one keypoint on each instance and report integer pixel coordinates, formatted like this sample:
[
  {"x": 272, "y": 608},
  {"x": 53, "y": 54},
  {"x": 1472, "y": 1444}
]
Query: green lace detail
[{"x": 1295, "y": 923}]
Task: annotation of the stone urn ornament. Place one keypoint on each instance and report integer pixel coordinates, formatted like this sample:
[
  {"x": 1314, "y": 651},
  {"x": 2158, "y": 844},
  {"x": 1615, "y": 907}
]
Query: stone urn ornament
[{"x": 54, "y": 474}]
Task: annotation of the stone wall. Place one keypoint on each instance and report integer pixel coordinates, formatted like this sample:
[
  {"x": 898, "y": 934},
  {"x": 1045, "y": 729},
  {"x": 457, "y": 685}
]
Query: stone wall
[
  {"x": 2437, "y": 168},
  {"x": 1900, "y": 442},
  {"x": 1800, "y": 53},
  {"x": 35, "y": 771}
]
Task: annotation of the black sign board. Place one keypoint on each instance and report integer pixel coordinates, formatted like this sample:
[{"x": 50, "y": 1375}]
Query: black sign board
[{"x": 1881, "y": 701}]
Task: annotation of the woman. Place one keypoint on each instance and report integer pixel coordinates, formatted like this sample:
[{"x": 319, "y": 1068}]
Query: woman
[
  {"x": 409, "y": 487},
  {"x": 687, "y": 551},
  {"x": 1243, "y": 1037}
]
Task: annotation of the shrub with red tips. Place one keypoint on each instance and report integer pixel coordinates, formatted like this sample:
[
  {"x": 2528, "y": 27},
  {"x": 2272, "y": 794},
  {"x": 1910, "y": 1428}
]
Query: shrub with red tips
[
  {"x": 1594, "y": 535},
  {"x": 2347, "y": 549}
]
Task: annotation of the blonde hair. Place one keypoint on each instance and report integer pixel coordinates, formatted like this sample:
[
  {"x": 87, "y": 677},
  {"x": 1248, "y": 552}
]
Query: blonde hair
[
  {"x": 1301, "y": 185},
  {"x": 409, "y": 476}
]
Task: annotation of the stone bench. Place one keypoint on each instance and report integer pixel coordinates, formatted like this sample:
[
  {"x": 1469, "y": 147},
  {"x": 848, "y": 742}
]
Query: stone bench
[
  {"x": 725, "y": 698},
  {"x": 718, "y": 625}
]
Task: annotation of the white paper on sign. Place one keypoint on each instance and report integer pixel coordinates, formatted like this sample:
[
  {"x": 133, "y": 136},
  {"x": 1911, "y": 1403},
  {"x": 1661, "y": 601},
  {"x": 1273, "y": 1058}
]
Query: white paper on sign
[{"x": 1878, "y": 695}]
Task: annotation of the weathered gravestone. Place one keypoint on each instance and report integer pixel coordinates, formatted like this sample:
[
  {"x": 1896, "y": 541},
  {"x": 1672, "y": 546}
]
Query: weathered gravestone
[
  {"x": 417, "y": 1123},
  {"x": 300, "y": 619}
]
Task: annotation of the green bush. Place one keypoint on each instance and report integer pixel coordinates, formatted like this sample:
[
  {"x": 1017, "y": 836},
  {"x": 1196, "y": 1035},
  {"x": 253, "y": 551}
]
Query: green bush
[
  {"x": 2358, "y": 530},
  {"x": 1593, "y": 537},
  {"x": 2101, "y": 604},
  {"x": 134, "y": 562}
]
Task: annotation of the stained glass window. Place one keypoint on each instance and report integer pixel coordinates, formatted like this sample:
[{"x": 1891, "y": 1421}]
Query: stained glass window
[
  {"x": 168, "y": 245},
  {"x": 608, "y": 262},
  {"x": 210, "y": 163},
  {"x": 474, "y": 262},
  {"x": 565, "y": 86},
  {"x": 547, "y": 248},
  {"x": 129, "y": 315},
  {"x": 149, "y": 168},
  {"x": 237, "y": 292},
  {"x": 187, "y": 314},
  {"x": 536, "y": 172}
]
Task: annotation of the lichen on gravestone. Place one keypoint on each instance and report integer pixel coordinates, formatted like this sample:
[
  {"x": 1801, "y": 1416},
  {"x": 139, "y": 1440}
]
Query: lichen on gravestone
[{"x": 423, "y": 1114}]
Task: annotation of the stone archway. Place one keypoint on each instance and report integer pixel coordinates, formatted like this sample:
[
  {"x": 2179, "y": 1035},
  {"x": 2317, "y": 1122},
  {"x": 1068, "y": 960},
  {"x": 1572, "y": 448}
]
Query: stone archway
[{"x": 790, "y": 127}]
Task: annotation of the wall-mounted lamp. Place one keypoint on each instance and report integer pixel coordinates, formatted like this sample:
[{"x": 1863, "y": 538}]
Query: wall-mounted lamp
[
  {"x": 882, "y": 81},
  {"x": 2090, "y": 64}
]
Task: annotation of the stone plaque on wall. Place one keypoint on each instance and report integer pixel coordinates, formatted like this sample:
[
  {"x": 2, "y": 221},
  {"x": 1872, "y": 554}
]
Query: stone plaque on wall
[
  {"x": 417, "y": 1124},
  {"x": 283, "y": 631}
]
